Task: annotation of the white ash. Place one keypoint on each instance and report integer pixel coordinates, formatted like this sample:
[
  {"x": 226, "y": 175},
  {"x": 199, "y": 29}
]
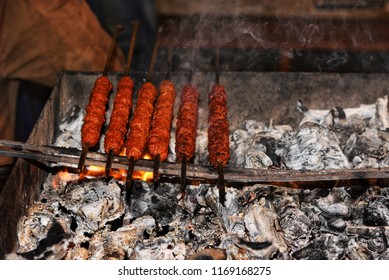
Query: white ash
[
  {"x": 35, "y": 226},
  {"x": 231, "y": 216},
  {"x": 258, "y": 222},
  {"x": 258, "y": 146},
  {"x": 163, "y": 248},
  {"x": 93, "y": 204},
  {"x": 120, "y": 243},
  {"x": 331, "y": 116},
  {"x": 296, "y": 226},
  {"x": 314, "y": 147},
  {"x": 263, "y": 225},
  {"x": 70, "y": 128},
  {"x": 241, "y": 249}
]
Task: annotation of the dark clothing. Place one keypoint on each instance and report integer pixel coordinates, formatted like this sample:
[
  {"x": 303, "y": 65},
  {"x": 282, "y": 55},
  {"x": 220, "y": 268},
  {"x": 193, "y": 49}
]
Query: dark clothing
[{"x": 111, "y": 13}]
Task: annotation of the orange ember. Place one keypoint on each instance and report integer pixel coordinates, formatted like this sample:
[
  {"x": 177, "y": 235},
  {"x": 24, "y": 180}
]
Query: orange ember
[
  {"x": 118, "y": 174},
  {"x": 63, "y": 177},
  {"x": 143, "y": 175}
]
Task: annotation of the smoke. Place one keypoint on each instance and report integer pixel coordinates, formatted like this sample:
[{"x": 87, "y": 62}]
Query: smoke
[{"x": 260, "y": 39}]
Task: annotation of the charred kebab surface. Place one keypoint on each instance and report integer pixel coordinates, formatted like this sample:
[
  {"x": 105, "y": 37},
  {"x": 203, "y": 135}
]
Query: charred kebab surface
[
  {"x": 187, "y": 120},
  {"x": 158, "y": 144}
]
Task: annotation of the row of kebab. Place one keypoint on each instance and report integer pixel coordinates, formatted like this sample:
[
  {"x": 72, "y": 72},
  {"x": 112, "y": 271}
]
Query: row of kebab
[{"x": 148, "y": 129}]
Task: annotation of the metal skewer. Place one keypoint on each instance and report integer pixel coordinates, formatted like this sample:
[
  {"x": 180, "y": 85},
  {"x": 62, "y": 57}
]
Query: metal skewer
[
  {"x": 157, "y": 163},
  {"x": 81, "y": 163},
  {"x": 184, "y": 160},
  {"x": 217, "y": 66},
  {"x": 220, "y": 169},
  {"x": 157, "y": 159},
  {"x": 169, "y": 62},
  {"x": 109, "y": 63},
  {"x": 154, "y": 55},
  {"x": 108, "y": 164},
  {"x": 184, "y": 163},
  {"x": 107, "y": 68},
  {"x": 131, "y": 161},
  {"x": 130, "y": 171},
  {"x": 221, "y": 184},
  {"x": 134, "y": 29}
]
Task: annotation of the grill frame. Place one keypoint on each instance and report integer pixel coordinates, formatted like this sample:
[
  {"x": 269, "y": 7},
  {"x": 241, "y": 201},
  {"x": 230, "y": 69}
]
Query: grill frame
[{"x": 251, "y": 95}]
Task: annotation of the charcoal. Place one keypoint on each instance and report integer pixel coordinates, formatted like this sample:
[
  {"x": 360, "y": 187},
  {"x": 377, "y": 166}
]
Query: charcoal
[
  {"x": 378, "y": 242},
  {"x": 161, "y": 203},
  {"x": 377, "y": 212}
]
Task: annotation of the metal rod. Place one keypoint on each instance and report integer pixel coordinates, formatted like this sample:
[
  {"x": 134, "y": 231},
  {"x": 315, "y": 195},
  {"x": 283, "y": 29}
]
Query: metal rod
[
  {"x": 109, "y": 62},
  {"x": 183, "y": 175},
  {"x": 134, "y": 29},
  {"x": 157, "y": 163},
  {"x": 130, "y": 171},
  {"x": 221, "y": 184},
  {"x": 217, "y": 66},
  {"x": 108, "y": 165},
  {"x": 169, "y": 62},
  {"x": 157, "y": 159},
  {"x": 190, "y": 76},
  {"x": 131, "y": 164},
  {"x": 81, "y": 163},
  {"x": 154, "y": 55},
  {"x": 59, "y": 156},
  {"x": 108, "y": 66}
]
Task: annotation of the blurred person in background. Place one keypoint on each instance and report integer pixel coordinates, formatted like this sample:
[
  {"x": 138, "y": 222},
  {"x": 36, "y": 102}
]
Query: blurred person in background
[
  {"x": 39, "y": 39},
  {"x": 123, "y": 12}
]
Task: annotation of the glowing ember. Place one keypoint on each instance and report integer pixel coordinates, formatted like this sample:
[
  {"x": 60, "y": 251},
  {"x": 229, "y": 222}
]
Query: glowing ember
[
  {"x": 118, "y": 174},
  {"x": 92, "y": 171},
  {"x": 143, "y": 175},
  {"x": 63, "y": 177}
]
